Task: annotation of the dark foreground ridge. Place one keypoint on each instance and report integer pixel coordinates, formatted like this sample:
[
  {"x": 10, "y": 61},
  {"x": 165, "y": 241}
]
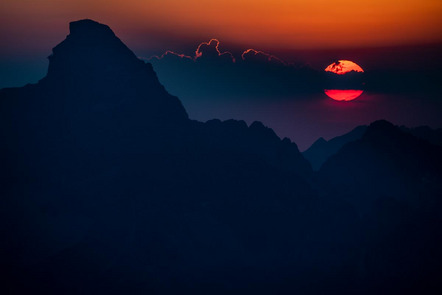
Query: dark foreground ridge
[{"x": 107, "y": 187}]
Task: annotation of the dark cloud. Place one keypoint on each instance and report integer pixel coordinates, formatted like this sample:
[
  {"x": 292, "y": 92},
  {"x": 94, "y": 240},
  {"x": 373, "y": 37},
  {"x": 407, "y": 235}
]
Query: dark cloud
[
  {"x": 212, "y": 70},
  {"x": 170, "y": 54},
  {"x": 206, "y": 51},
  {"x": 210, "y": 51},
  {"x": 260, "y": 56},
  {"x": 336, "y": 67}
]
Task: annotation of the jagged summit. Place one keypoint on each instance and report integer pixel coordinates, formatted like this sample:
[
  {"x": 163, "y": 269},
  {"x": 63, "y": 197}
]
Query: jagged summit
[
  {"x": 89, "y": 27},
  {"x": 93, "y": 69},
  {"x": 382, "y": 125},
  {"x": 383, "y": 131},
  {"x": 92, "y": 51}
]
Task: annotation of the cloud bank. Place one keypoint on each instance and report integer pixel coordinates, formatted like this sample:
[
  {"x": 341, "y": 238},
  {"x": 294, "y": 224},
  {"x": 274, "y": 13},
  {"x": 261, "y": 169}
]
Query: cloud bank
[
  {"x": 214, "y": 71},
  {"x": 254, "y": 73}
]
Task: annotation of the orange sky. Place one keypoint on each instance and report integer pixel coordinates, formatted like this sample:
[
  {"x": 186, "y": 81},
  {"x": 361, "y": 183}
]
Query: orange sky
[{"x": 259, "y": 23}]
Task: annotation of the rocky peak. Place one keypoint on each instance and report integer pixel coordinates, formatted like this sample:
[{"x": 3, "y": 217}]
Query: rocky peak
[
  {"x": 92, "y": 52},
  {"x": 93, "y": 70}
]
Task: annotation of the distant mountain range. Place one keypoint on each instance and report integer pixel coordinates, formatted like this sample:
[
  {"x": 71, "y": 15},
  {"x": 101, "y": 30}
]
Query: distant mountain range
[
  {"x": 108, "y": 187},
  {"x": 321, "y": 149},
  {"x": 385, "y": 162}
]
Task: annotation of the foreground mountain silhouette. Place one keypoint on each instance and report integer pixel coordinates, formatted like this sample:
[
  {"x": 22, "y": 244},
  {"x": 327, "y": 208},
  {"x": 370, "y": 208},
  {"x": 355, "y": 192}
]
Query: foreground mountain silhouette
[
  {"x": 105, "y": 176},
  {"x": 108, "y": 187}
]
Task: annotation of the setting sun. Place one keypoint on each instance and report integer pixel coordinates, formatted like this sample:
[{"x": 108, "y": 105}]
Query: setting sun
[
  {"x": 343, "y": 67},
  {"x": 343, "y": 95}
]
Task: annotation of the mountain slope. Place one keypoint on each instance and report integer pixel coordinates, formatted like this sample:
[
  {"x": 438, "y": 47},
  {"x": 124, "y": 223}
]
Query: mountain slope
[
  {"x": 108, "y": 187},
  {"x": 321, "y": 149},
  {"x": 433, "y": 136},
  {"x": 394, "y": 181},
  {"x": 385, "y": 162}
]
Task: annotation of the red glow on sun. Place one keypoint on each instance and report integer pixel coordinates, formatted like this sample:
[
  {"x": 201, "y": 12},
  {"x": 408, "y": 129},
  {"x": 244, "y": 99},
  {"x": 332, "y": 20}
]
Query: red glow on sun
[
  {"x": 343, "y": 95},
  {"x": 343, "y": 67}
]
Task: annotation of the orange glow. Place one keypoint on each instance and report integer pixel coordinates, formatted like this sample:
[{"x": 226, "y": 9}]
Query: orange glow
[
  {"x": 342, "y": 67},
  {"x": 343, "y": 95},
  {"x": 267, "y": 24}
]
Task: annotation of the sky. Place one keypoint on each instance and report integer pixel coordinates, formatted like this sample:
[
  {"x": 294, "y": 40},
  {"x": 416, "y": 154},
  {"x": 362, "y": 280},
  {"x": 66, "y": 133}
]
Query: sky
[
  {"x": 29, "y": 28},
  {"x": 267, "y": 24},
  {"x": 392, "y": 40}
]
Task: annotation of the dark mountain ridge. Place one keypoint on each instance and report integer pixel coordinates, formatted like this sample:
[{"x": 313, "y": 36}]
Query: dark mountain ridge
[
  {"x": 108, "y": 187},
  {"x": 101, "y": 170},
  {"x": 394, "y": 181},
  {"x": 385, "y": 153},
  {"x": 322, "y": 149},
  {"x": 433, "y": 136}
]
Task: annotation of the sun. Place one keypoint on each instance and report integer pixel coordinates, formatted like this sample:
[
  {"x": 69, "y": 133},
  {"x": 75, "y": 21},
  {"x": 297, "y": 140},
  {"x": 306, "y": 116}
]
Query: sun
[
  {"x": 343, "y": 66},
  {"x": 343, "y": 95},
  {"x": 344, "y": 80}
]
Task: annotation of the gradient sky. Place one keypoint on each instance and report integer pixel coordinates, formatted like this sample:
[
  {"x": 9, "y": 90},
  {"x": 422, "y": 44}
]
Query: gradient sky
[
  {"x": 29, "y": 28},
  {"x": 264, "y": 23},
  {"x": 380, "y": 35}
]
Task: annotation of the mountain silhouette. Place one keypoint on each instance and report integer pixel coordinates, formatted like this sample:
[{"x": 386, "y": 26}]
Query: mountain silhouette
[
  {"x": 118, "y": 191},
  {"x": 393, "y": 179},
  {"x": 108, "y": 187},
  {"x": 385, "y": 162},
  {"x": 433, "y": 136},
  {"x": 322, "y": 149},
  {"x": 96, "y": 67}
]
